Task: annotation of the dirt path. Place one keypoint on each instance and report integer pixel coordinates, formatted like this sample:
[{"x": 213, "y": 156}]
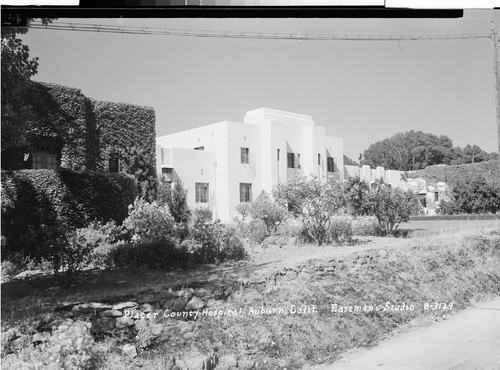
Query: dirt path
[{"x": 467, "y": 340}]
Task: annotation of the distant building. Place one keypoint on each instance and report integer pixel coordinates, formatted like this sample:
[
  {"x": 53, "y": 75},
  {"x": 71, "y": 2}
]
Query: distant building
[{"x": 226, "y": 163}]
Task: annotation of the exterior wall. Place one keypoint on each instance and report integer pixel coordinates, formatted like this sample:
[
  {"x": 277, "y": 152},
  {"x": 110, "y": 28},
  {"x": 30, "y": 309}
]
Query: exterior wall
[{"x": 264, "y": 132}]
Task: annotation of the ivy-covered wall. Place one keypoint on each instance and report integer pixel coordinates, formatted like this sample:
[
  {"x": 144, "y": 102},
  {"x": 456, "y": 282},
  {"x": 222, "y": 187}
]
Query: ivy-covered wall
[
  {"x": 84, "y": 133},
  {"x": 63, "y": 197}
]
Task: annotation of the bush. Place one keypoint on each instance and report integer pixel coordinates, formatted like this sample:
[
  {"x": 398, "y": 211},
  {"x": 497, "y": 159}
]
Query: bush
[
  {"x": 216, "y": 243},
  {"x": 151, "y": 254},
  {"x": 255, "y": 230},
  {"x": 314, "y": 202},
  {"x": 31, "y": 198},
  {"x": 148, "y": 222},
  {"x": 390, "y": 206},
  {"x": 264, "y": 209},
  {"x": 366, "y": 226},
  {"x": 68, "y": 252},
  {"x": 341, "y": 229}
]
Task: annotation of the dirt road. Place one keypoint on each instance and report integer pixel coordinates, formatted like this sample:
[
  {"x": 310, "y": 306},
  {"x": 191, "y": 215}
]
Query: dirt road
[{"x": 466, "y": 341}]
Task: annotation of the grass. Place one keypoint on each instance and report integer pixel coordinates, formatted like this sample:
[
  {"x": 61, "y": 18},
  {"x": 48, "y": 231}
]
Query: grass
[{"x": 441, "y": 261}]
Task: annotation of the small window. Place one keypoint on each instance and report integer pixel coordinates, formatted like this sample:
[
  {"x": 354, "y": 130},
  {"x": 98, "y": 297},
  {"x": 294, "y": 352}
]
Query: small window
[
  {"x": 293, "y": 160},
  {"x": 278, "y": 154},
  {"x": 42, "y": 160},
  {"x": 199, "y": 148},
  {"x": 330, "y": 164},
  {"x": 201, "y": 192},
  {"x": 245, "y": 192},
  {"x": 319, "y": 159},
  {"x": 114, "y": 164},
  {"x": 436, "y": 196},
  {"x": 244, "y": 155}
]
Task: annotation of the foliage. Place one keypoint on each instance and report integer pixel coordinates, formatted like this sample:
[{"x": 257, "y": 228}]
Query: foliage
[
  {"x": 31, "y": 198},
  {"x": 104, "y": 237},
  {"x": 127, "y": 132},
  {"x": 349, "y": 162},
  {"x": 68, "y": 252},
  {"x": 390, "y": 206},
  {"x": 341, "y": 230},
  {"x": 202, "y": 215},
  {"x": 158, "y": 254},
  {"x": 475, "y": 195},
  {"x": 216, "y": 243},
  {"x": 414, "y": 150},
  {"x": 356, "y": 191},
  {"x": 312, "y": 201},
  {"x": 264, "y": 209},
  {"x": 148, "y": 222},
  {"x": 177, "y": 203},
  {"x": 366, "y": 226},
  {"x": 455, "y": 175},
  {"x": 254, "y": 230}
]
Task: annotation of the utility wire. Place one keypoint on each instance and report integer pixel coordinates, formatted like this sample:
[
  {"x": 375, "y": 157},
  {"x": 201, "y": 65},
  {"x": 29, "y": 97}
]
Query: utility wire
[{"x": 240, "y": 35}]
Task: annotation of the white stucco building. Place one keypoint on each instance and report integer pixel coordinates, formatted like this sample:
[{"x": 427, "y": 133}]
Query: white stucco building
[{"x": 225, "y": 163}]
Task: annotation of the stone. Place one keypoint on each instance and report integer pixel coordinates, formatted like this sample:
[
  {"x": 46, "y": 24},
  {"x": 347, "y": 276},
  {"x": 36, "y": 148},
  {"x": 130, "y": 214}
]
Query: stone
[
  {"x": 149, "y": 298},
  {"x": 179, "y": 305},
  {"x": 194, "y": 304},
  {"x": 121, "y": 306},
  {"x": 228, "y": 361},
  {"x": 146, "y": 308},
  {"x": 90, "y": 307},
  {"x": 123, "y": 322},
  {"x": 40, "y": 337},
  {"x": 112, "y": 313},
  {"x": 19, "y": 343},
  {"x": 103, "y": 325},
  {"x": 129, "y": 350}
]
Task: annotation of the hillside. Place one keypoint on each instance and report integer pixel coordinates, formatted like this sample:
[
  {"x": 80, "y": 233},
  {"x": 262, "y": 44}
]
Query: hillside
[{"x": 452, "y": 174}]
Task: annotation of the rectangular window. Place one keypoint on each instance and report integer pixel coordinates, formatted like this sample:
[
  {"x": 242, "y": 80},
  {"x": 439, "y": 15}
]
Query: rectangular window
[
  {"x": 278, "y": 154},
  {"x": 245, "y": 192},
  {"x": 293, "y": 160},
  {"x": 245, "y": 155},
  {"x": 199, "y": 148},
  {"x": 201, "y": 190},
  {"x": 114, "y": 164},
  {"x": 319, "y": 159},
  {"x": 43, "y": 160},
  {"x": 330, "y": 164},
  {"x": 436, "y": 196}
]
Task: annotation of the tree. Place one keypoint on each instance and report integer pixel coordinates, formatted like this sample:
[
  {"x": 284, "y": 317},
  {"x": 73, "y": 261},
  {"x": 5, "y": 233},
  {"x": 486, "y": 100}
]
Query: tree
[
  {"x": 177, "y": 204},
  {"x": 356, "y": 191},
  {"x": 474, "y": 195},
  {"x": 271, "y": 213},
  {"x": 314, "y": 202},
  {"x": 17, "y": 69},
  {"x": 390, "y": 206}
]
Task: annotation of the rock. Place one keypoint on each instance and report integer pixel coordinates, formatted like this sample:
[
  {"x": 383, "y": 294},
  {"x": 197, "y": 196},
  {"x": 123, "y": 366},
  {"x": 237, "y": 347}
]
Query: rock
[
  {"x": 320, "y": 273},
  {"x": 123, "y": 322},
  {"x": 194, "y": 304},
  {"x": 304, "y": 275},
  {"x": 211, "y": 302},
  {"x": 146, "y": 308},
  {"x": 149, "y": 298},
  {"x": 19, "y": 343},
  {"x": 103, "y": 325},
  {"x": 330, "y": 269},
  {"x": 121, "y": 306},
  {"x": 40, "y": 337},
  {"x": 28, "y": 274},
  {"x": 112, "y": 313},
  {"x": 90, "y": 307},
  {"x": 257, "y": 280},
  {"x": 227, "y": 362},
  {"x": 129, "y": 350},
  {"x": 179, "y": 305}
]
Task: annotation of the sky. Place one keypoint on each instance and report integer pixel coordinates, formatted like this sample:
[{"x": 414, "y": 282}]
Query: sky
[{"x": 361, "y": 91}]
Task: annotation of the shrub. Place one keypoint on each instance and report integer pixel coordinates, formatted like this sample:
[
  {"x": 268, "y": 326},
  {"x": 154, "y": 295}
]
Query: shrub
[
  {"x": 390, "y": 206},
  {"x": 31, "y": 198},
  {"x": 216, "y": 243},
  {"x": 255, "y": 230},
  {"x": 314, "y": 202},
  {"x": 366, "y": 226},
  {"x": 474, "y": 195},
  {"x": 148, "y": 222},
  {"x": 341, "y": 229},
  {"x": 176, "y": 201},
  {"x": 264, "y": 209},
  {"x": 103, "y": 236},
  {"x": 151, "y": 254},
  {"x": 356, "y": 191},
  {"x": 202, "y": 215},
  {"x": 292, "y": 228},
  {"x": 68, "y": 252}
]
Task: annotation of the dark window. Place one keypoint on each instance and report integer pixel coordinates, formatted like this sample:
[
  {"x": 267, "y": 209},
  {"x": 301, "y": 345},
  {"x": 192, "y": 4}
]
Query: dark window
[
  {"x": 319, "y": 159},
  {"x": 199, "y": 148},
  {"x": 42, "y": 160},
  {"x": 436, "y": 196},
  {"x": 244, "y": 155},
  {"x": 330, "y": 164},
  {"x": 245, "y": 192},
  {"x": 114, "y": 164},
  {"x": 278, "y": 154},
  {"x": 201, "y": 190},
  {"x": 293, "y": 160}
]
